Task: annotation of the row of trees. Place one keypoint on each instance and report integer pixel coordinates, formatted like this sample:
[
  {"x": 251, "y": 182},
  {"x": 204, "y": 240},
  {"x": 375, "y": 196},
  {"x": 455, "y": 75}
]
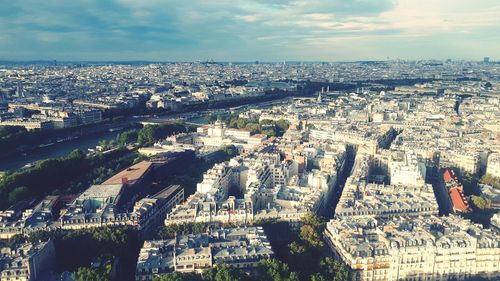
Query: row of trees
[
  {"x": 301, "y": 254},
  {"x": 268, "y": 270},
  {"x": 75, "y": 251},
  {"x": 63, "y": 175},
  {"x": 13, "y": 136},
  {"x": 268, "y": 127},
  {"x": 309, "y": 248},
  {"x": 481, "y": 202},
  {"x": 490, "y": 180},
  {"x": 92, "y": 274},
  {"x": 7, "y": 132},
  {"x": 151, "y": 133},
  {"x": 147, "y": 135},
  {"x": 304, "y": 251},
  {"x": 74, "y": 172},
  {"x": 122, "y": 139}
]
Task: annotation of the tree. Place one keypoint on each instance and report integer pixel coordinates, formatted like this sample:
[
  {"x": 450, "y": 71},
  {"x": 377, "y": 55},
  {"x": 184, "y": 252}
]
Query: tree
[
  {"x": 222, "y": 272},
  {"x": 41, "y": 235},
  {"x": 146, "y": 135},
  {"x": 230, "y": 150},
  {"x": 76, "y": 154},
  {"x": 126, "y": 137},
  {"x": 296, "y": 248},
  {"x": 177, "y": 276},
  {"x": 281, "y": 127},
  {"x": 490, "y": 180},
  {"x": 270, "y": 132},
  {"x": 103, "y": 144},
  {"x": 67, "y": 174},
  {"x": 311, "y": 126},
  {"x": 481, "y": 203},
  {"x": 310, "y": 231},
  {"x": 151, "y": 133},
  {"x": 112, "y": 235},
  {"x": 333, "y": 270},
  {"x": 275, "y": 270},
  {"x": 211, "y": 118},
  {"x": 317, "y": 277},
  {"x": 89, "y": 274},
  {"x": 241, "y": 123},
  {"x": 267, "y": 122},
  {"x": 254, "y": 128},
  {"x": 9, "y": 131},
  {"x": 18, "y": 194},
  {"x": 313, "y": 220}
]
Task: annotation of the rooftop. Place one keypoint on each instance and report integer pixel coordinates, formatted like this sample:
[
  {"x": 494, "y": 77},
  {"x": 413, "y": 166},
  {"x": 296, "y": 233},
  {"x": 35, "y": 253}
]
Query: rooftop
[
  {"x": 130, "y": 175},
  {"x": 166, "y": 192},
  {"x": 101, "y": 191}
]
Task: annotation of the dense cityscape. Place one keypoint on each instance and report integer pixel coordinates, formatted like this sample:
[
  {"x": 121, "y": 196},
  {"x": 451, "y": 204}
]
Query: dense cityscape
[{"x": 377, "y": 170}]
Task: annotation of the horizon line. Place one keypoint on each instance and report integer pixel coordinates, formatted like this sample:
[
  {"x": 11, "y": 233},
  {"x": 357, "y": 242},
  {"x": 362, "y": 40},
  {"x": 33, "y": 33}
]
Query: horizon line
[{"x": 239, "y": 61}]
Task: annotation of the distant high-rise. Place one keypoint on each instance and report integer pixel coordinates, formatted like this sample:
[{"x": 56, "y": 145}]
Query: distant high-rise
[
  {"x": 19, "y": 90},
  {"x": 486, "y": 59}
]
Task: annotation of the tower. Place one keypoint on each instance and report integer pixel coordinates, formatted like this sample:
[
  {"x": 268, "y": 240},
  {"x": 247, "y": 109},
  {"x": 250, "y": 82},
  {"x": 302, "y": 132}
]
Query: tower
[{"x": 19, "y": 90}]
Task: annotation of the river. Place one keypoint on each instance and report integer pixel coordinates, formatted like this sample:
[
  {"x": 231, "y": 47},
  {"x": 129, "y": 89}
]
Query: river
[
  {"x": 61, "y": 149},
  {"x": 17, "y": 161}
]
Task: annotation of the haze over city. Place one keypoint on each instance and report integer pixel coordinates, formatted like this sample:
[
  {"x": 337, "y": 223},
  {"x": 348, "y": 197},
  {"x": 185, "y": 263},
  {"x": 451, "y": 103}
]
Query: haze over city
[{"x": 236, "y": 30}]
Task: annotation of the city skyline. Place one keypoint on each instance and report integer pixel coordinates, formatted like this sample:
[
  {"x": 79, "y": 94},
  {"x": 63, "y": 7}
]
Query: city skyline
[{"x": 243, "y": 31}]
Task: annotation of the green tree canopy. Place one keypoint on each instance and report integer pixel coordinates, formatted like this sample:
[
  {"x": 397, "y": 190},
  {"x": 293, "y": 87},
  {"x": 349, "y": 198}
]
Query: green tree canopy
[
  {"x": 19, "y": 193},
  {"x": 89, "y": 274},
  {"x": 126, "y": 137},
  {"x": 490, "y": 180},
  {"x": 223, "y": 272},
  {"x": 333, "y": 270},
  {"x": 296, "y": 248},
  {"x": 177, "y": 276},
  {"x": 275, "y": 270},
  {"x": 311, "y": 230},
  {"x": 151, "y": 133},
  {"x": 481, "y": 203}
]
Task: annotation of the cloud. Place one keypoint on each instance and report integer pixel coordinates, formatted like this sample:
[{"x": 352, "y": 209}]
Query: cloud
[
  {"x": 248, "y": 18},
  {"x": 244, "y": 30}
]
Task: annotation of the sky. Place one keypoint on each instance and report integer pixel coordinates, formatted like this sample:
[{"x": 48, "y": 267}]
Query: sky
[{"x": 238, "y": 30}]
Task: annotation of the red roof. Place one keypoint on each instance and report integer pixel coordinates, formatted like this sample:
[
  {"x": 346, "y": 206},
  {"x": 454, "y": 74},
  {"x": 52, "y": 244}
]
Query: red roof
[
  {"x": 458, "y": 200},
  {"x": 130, "y": 175},
  {"x": 447, "y": 175}
]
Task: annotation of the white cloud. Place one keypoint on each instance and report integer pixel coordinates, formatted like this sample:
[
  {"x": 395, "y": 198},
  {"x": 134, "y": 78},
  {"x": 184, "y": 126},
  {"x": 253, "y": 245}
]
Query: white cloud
[
  {"x": 235, "y": 27},
  {"x": 319, "y": 16},
  {"x": 248, "y": 18}
]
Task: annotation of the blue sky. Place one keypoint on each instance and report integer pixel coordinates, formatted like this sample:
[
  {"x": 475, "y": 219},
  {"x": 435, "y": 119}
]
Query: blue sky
[{"x": 237, "y": 30}]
